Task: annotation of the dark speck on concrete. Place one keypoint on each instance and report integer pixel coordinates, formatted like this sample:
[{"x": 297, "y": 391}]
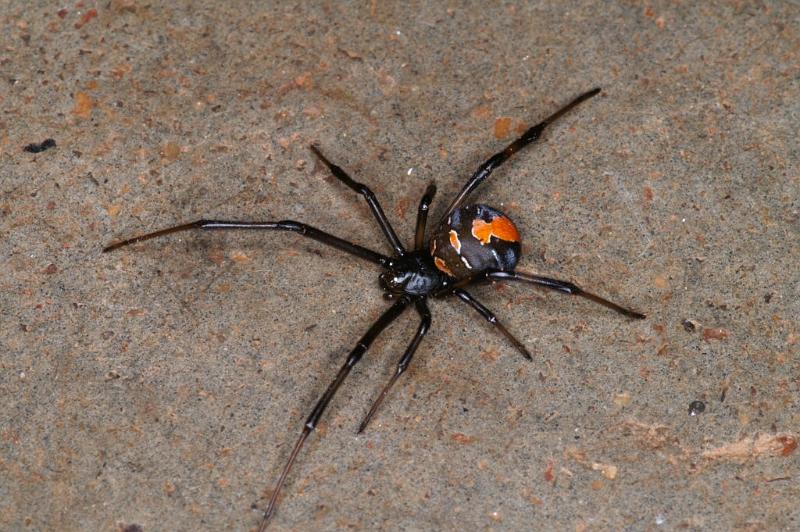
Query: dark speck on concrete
[{"x": 42, "y": 146}]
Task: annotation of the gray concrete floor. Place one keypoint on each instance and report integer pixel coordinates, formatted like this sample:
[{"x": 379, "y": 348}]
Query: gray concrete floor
[{"x": 161, "y": 386}]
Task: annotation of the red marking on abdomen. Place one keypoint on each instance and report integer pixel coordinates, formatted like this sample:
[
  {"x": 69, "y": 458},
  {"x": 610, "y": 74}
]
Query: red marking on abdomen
[
  {"x": 442, "y": 266},
  {"x": 455, "y": 242},
  {"x": 500, "y": 227}
]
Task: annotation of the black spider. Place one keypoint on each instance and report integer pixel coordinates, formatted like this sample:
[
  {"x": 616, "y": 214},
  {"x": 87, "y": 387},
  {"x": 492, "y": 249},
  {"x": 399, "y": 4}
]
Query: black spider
[{"x": 472, "y": 244}]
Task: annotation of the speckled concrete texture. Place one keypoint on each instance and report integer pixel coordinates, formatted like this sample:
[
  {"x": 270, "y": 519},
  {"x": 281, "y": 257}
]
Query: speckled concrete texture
[{"x": 160, "y": 387}]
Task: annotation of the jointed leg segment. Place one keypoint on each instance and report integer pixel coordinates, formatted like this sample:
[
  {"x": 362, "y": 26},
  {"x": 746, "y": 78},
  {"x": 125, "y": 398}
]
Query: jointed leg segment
[
  {"x": 491, "y": 318},
  {"x": 564, "y": 287},
  {"x": 422, "y": 217},
  {"x": 285, "y": 225},
  {"x": 405, "y": 360},
  {"x": 311, "y": 423},
  {"x": 530, "y": 136},
  {"x": 364, "y": 190}
]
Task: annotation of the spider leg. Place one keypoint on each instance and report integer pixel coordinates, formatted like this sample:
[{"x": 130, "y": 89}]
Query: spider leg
[
  {"x": 565, "y": 287},
  {"x": 491, "y": 318},
  {"x": 311, "y": 423},
  {"x": 422, "y": 217},
  {"x": 364, "y": 190},
  {"x": 405, "y": 360},
  {"x": 285, "y": 225},
  {"x": 531, "y": 135}
]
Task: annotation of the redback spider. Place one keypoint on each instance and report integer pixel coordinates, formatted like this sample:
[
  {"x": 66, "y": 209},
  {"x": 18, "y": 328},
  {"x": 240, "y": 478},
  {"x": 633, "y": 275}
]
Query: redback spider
[{"x": 471, "y": 244}]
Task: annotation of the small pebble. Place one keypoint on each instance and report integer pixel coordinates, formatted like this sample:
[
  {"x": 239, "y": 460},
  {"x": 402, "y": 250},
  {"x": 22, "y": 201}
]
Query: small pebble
[{"x": 696, "y": 408}]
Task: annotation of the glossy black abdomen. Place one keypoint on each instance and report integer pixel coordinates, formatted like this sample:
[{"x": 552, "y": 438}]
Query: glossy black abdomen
[{"x": 473, "y": 239}]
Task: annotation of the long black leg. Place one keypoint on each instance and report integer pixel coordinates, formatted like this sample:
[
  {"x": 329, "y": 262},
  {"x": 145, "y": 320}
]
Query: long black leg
[
  {"x": 285, "y": 225},
  {"x": 531, "y": 135},
  {"x": 405, "y": 360},
  {"x": 564, "y": 287},
  {"x": 422, "y": 217},
  {"x": 364, "y": 190},
  {"x": 311, "y": 423},
  {"x": 491, "y": 318}
]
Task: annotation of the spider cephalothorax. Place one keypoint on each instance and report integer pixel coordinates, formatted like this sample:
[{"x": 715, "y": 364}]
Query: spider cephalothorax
[
  {"x": 471, "y": 244},
  {"x": 414, "y": 274}
]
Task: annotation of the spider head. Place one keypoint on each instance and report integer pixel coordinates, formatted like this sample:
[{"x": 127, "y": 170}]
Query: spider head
[{"x": 394, "y": 282}]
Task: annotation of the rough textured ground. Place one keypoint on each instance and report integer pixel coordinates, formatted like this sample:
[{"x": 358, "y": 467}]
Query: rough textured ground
[{"x": 162, "y": 385}]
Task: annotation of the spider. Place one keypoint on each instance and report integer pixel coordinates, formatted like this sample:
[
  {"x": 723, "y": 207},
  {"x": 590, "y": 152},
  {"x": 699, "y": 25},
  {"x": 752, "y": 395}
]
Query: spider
[{"x": 472, "y": 243}]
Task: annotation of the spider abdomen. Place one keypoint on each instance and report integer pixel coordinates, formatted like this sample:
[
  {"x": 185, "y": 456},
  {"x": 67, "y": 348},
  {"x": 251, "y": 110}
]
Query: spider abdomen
[{"x": 473, "y": 239}]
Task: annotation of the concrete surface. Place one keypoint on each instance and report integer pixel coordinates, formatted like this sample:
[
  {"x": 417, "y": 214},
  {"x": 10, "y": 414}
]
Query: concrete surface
[{"x": 161, "y": 387}]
